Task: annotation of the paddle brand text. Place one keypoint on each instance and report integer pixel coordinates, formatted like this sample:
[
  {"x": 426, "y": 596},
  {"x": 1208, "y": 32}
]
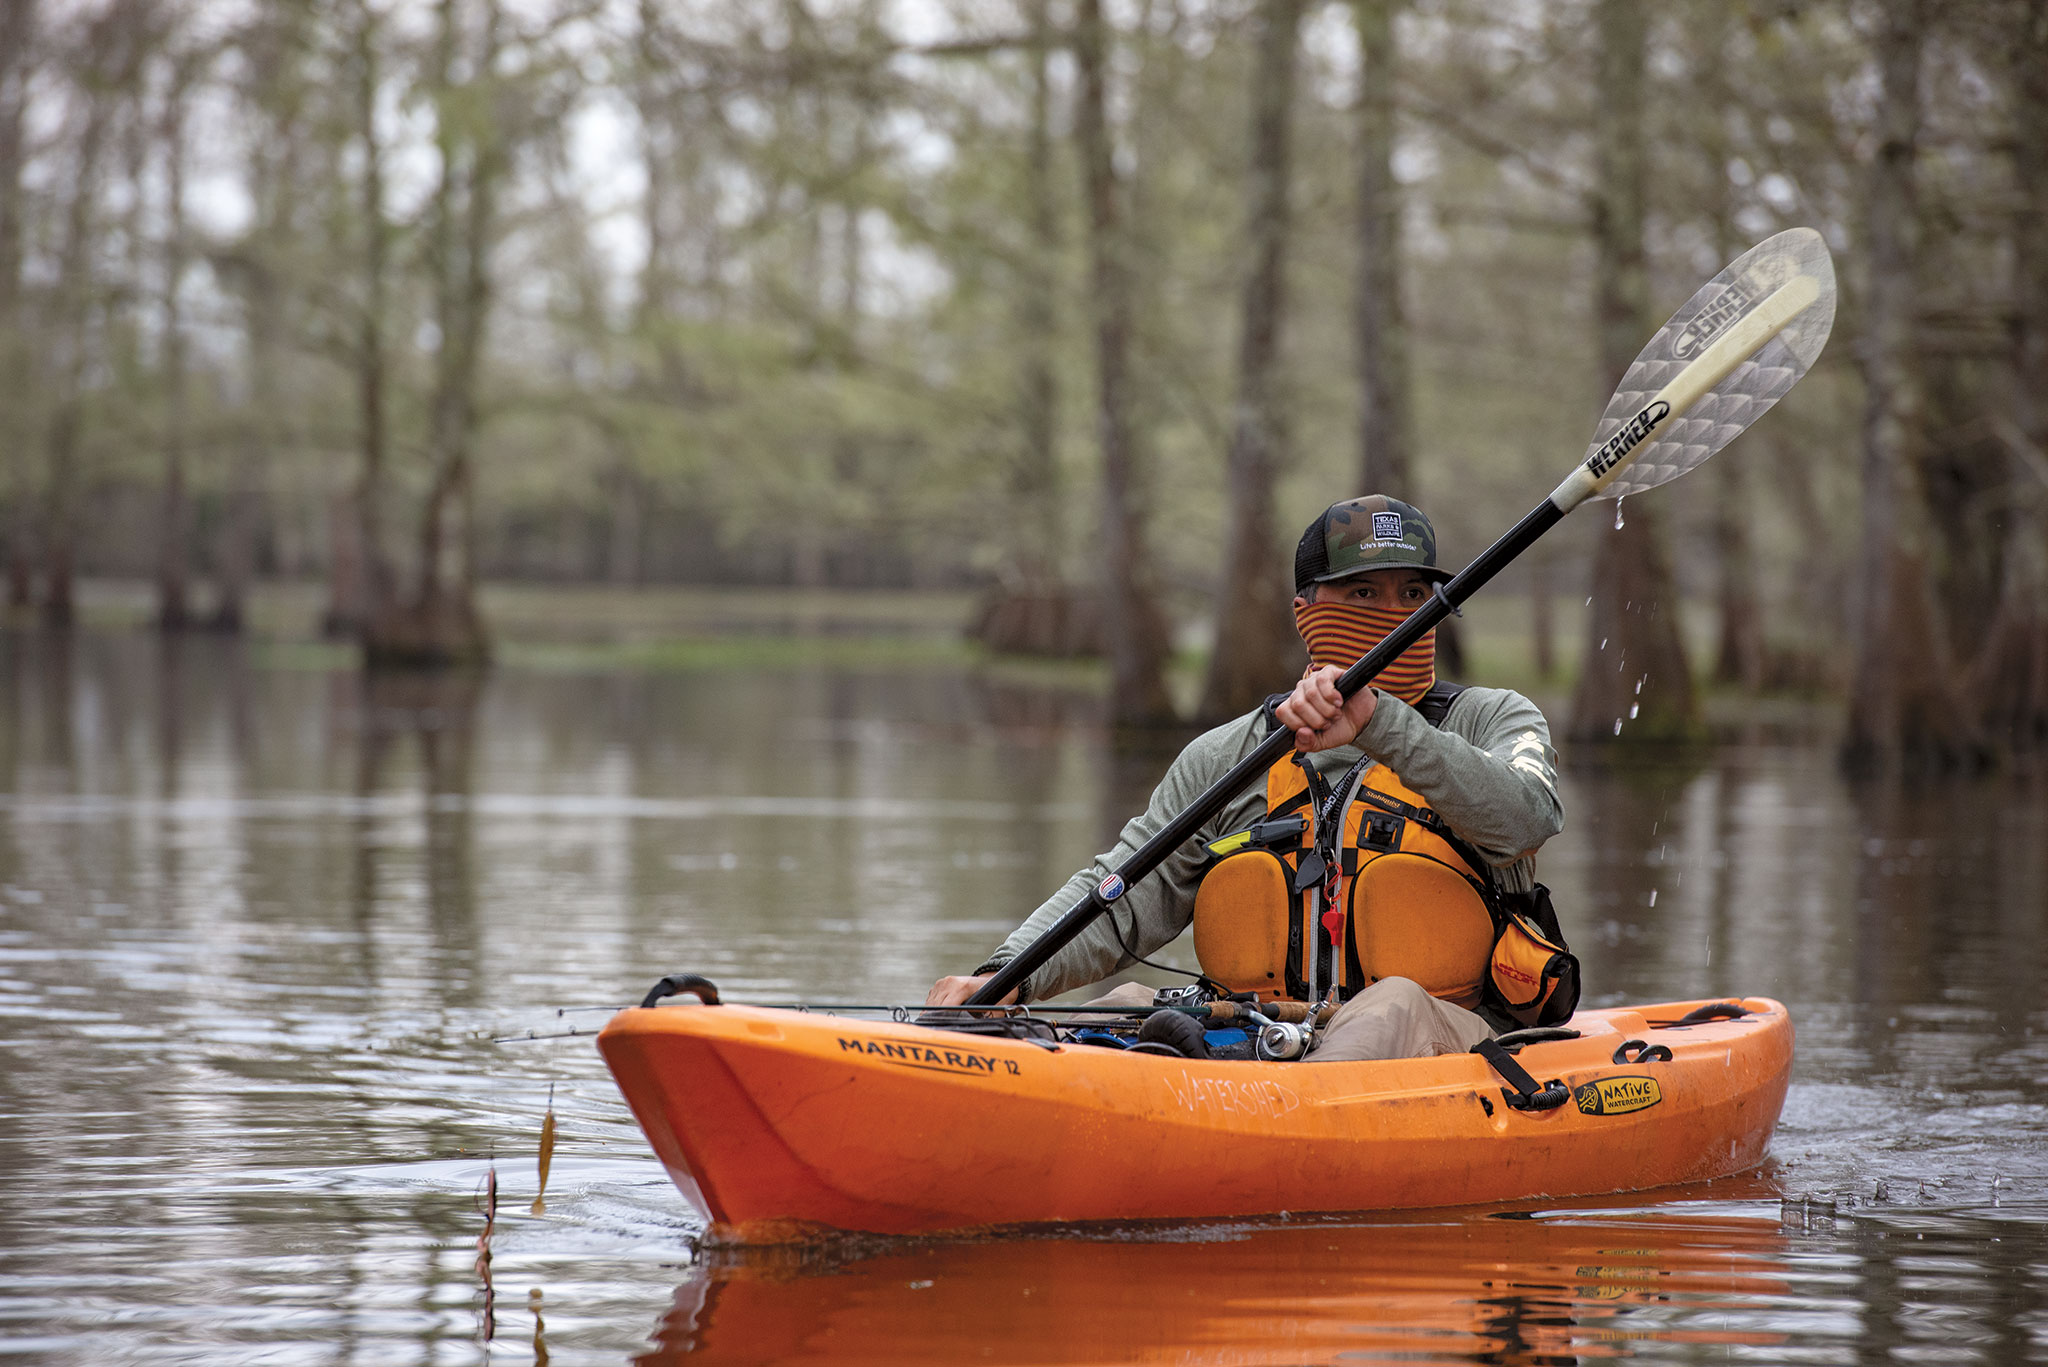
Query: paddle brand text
[
  {"x": 1630, "y": 436},
  {"x": 1724, "y": 308},
  {"x": 1617, "y": 1095},
  {"x": 937, "y": 1060}
]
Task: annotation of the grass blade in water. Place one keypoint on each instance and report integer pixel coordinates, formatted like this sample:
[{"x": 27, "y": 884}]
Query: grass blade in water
[{"x": 547, "y": 1154}]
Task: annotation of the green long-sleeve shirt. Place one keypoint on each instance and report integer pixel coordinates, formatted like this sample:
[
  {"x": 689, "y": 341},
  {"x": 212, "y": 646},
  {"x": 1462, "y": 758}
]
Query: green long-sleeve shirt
[{"x": 1489, "y": 771}]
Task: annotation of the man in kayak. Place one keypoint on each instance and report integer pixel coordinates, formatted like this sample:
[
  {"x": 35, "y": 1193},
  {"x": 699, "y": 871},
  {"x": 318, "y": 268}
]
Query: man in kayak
[{"x": 1403, "y": 942}]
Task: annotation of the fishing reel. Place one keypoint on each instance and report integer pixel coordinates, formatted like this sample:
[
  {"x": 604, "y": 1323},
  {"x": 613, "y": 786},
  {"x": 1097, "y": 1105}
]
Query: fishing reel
[
  {"x": 1187, "y": 994},
  {"x": 1280, "y": 1041}
]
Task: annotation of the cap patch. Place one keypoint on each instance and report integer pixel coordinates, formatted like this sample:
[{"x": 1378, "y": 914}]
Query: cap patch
[{"x": 1387, "y": 527}]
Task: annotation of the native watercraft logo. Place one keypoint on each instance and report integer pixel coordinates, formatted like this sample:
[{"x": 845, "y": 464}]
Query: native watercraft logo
[
  {"x": 1617, "y": 1095},
  {"x": 936, "y": 1060}
]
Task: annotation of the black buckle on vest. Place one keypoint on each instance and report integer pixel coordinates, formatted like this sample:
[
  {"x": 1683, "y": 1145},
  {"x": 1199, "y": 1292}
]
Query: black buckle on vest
[{"x": 1381, "y": 831}]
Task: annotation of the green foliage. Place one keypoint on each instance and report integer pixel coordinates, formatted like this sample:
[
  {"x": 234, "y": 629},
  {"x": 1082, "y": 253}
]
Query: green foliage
[{"x": 762, "y": 274}]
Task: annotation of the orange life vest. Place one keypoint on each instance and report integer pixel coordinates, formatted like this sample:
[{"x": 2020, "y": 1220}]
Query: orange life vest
[
  {"x": 1274, "y": 918},
  {"x": 1281, "y": 914}
]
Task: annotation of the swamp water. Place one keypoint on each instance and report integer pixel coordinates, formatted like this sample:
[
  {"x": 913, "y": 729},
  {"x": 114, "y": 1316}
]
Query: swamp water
[{"x": 260, "y": 925}]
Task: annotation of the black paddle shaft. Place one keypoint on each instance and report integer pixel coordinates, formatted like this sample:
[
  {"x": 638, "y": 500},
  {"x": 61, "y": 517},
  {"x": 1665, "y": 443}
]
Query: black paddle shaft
[{"x": 1217, "y": 795}]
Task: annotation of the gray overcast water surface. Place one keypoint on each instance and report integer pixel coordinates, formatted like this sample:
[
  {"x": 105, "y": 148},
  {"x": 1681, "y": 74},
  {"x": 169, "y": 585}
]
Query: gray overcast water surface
[{"x": 259, "y": 927}]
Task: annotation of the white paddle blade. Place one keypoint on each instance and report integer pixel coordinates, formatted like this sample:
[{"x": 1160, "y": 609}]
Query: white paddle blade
[{"x": 1736, "y": 347}]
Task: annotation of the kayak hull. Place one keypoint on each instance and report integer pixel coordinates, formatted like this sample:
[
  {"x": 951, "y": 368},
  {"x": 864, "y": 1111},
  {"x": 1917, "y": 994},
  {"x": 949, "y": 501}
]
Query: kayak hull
[{"x": 781, "y": 1125}]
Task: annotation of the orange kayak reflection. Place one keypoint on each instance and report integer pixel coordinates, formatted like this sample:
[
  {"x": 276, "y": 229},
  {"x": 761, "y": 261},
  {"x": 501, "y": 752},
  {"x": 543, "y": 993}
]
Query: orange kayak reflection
[{"x": 1534, "y": 1289}]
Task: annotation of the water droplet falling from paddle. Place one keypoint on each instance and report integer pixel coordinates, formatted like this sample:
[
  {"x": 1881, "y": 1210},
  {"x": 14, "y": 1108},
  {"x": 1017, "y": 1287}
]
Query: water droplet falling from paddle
[
  {"x": 1617, "y": 513},
  {"x": 547, "y": 1153}
]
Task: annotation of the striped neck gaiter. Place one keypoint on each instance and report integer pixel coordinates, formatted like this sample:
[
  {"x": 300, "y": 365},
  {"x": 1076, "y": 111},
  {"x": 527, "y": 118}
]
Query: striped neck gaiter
[{"x": 1339, "y": 633}]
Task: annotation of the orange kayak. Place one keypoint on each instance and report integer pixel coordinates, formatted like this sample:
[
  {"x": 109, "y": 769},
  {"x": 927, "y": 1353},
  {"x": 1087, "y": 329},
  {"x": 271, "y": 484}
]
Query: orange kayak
[{"x": 781, "y": 1125}]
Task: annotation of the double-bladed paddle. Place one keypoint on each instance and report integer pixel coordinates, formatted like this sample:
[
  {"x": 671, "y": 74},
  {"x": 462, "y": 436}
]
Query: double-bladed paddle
[{"x": 1733, "y": 350}]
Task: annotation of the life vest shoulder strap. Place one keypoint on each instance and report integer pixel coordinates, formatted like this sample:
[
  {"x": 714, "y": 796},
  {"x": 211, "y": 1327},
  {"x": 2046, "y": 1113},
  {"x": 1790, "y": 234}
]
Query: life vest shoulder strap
[{"x": 1436, "y": 704}]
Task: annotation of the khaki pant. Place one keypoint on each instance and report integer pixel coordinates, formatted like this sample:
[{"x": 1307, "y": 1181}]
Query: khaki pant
[{"x": 1394, "y": 1018}]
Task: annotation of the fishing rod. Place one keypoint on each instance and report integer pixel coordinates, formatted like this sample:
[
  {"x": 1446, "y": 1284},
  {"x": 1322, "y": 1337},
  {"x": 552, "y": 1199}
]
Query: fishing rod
[{"x": 1731, "y": 352}]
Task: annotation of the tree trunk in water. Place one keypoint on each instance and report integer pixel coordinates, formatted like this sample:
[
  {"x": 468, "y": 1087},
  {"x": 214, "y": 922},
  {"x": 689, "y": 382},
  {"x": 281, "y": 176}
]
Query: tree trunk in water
[
  {"x": 2009, "y": 679},
  {"x": 1634, "y": 682},
  {"x": 60, "y": 531},
  {"x": 1030, "y": 610},
  {"x": 174, "y": 610},
  {"x": 238, "y": 530},
  {"x": 1385, "y": 414},
  {"x": 629, "y": 499},
  {"x": 275, "y": 170},
  {"x": 1903, "y": 708},
  {"x": 359, "y": 577},
  {"x": 17, "y": 30},
  {"x": 1037, "y": 560},
  {"x": 1256, "y": 650},
  {"x": 1135, "y": 625},
  {"x": 1739, "y": 646},
  {"x": 72, "y": 307},
  {"x": 439, "y": 625},
  {"x": 1739, "y": 651},
  {"x": 1386, "y": 407}
]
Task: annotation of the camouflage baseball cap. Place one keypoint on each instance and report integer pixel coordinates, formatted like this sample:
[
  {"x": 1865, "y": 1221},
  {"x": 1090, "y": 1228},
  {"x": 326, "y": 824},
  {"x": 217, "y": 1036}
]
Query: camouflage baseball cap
[{"x": 1360, "y": 535}]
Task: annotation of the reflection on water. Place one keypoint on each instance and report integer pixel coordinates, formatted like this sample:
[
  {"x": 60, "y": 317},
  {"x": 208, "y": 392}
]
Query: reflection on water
[
  {"x": 260, "y": 925},
  {"x": 1544, "y": 1289}
]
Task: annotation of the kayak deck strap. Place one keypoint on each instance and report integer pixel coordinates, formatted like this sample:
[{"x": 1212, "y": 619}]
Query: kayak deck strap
[{"x": 1527, "y": 1095}]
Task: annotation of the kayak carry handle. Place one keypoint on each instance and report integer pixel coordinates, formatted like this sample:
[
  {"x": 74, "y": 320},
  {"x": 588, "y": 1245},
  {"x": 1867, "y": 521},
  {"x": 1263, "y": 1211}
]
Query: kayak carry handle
[
  {"x": 1513, "y": 1040},
  {"x": 675, "y": 984},
  {"x": 1712, "y": 1011}
]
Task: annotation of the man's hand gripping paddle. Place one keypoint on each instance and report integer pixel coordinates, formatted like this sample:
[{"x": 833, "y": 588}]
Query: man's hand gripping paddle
[{"x": 1736, "y": 347}]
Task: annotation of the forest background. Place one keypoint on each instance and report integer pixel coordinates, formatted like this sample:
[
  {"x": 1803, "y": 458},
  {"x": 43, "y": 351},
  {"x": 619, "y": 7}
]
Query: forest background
[{"x": 1089, "y": 305}]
